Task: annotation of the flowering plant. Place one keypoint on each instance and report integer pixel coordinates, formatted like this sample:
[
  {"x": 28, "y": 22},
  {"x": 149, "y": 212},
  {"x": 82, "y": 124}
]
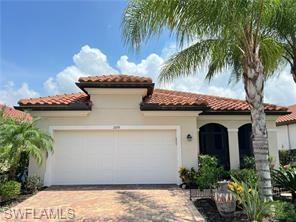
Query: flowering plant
[{"x": 249, "y": 199}]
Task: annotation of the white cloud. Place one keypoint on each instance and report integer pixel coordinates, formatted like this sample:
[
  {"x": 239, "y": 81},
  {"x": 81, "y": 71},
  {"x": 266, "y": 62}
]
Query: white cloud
[
  {"x": 64, "y": 82},
  {"x": 281, "y": 89},
  {"x": 169, "y": 50},
  {"x": 218, "y": 86},
  {"x": 91, "y": 61},
  {"x": 10, "y": 94},
  {"x": 147, "y": 67}
]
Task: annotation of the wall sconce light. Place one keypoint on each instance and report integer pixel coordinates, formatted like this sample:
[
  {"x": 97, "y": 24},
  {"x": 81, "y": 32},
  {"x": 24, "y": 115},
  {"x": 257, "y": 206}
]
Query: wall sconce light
[{"x": 189, "y": 137}]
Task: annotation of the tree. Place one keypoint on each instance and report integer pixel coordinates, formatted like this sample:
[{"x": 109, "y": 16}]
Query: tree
[
  {"x": 228, "y": 33},
  {"x": 284, "y": 26},
  {"x": 20, "y": 136}
]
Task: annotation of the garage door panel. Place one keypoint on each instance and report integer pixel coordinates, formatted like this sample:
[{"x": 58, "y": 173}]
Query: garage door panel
[
  {"x": 114, "y": 157},
  {"x": 148, "y": 137}
]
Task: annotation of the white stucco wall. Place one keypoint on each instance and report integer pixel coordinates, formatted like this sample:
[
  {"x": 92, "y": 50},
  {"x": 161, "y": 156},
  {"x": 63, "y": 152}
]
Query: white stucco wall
[
  {"x": 286, "y": 135},
  {"x": 123, "y": 109},
  {"x": 116, "y": 110},
  {"x": 292, "y": 129}
]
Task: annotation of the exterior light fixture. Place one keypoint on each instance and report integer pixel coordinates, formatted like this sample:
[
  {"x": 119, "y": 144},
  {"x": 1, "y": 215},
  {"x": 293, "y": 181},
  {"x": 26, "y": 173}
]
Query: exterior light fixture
[{"x": 189, "y": 137}]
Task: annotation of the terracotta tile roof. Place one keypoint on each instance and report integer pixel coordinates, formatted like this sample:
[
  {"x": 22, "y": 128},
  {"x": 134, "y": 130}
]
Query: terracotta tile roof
[
  {"x": 215, "y": 103},
  {"x": 155, "y": 97},
  {"x": 13, "y": 113},
  {"x": 65, "y": 99},
  {"x": 116, "y": 79},
  {"x": 289, "y": 118},
  {"x": 168, "y": 97},
  {"x": 159, "y": 97}
]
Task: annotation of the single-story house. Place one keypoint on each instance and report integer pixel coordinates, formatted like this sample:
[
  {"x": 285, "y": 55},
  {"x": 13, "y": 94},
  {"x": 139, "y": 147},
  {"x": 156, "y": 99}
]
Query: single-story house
[
  {"x": 286, "y": 129},
  {"x": 122, "y": 130}
]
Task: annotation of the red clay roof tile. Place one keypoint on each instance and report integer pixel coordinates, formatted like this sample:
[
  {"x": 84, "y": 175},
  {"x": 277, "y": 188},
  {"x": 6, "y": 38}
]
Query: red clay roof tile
[
  {"x": 116, "y": 78},
  {"x": 13, "y": 113},
  {"x": 158, "y": 97},
  {"x": 65, "y": 99},
  {"x": 170, "y": 97},
  {"x": 289, "y": 117}
]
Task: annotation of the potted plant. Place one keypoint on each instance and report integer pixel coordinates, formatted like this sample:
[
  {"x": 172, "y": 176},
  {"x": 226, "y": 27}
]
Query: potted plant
[
  {"x": 225, "y": 200},
  {"x": 187, "y": 176}
]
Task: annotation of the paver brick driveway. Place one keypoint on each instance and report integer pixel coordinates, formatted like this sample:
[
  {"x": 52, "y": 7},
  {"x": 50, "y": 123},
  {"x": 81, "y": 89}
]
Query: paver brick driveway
[{"x": 111, "y": 203}]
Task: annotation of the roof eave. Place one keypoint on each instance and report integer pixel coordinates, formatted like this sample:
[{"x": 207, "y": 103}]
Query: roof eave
[
  {"x": 134, "y": 85},
  {"x": 160, "y": 107},
  {"x": 289, "y": 122},
  {"x": 52, "y": 107}
]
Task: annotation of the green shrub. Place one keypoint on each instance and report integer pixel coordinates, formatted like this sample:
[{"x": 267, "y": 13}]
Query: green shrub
[
  {"x": 249, "y": 199},
  {"x": 183, "y": 174},
  {"x": 187, "y": 176},
  {"x": 287, "y": 156},
  {"x": 10, "y": 189},
  {"x": 248, "y": 162},
  {"x": 32, "y": 184},
  {"x": 285, "y": 177},
  {"x": 245, "y": 175},
  {"x": 284, "y": 211},
  {"x": 208, "y": 172}
]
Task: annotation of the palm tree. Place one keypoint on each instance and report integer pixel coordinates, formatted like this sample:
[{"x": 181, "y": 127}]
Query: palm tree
[
  {"x": 19, "y": 136},
  {"x": 228, "y": 33},
  {"x": 284, "y": 26}
]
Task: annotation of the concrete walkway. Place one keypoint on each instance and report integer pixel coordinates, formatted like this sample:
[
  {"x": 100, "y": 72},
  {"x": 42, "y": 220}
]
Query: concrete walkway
[{"x": 106, "y": 203}]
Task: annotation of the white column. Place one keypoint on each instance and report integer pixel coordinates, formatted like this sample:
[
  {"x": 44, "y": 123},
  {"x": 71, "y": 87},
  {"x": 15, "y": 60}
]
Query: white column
[
  {"x": 197, "y": 141},
  {"x": 273, "y": 146},
  {"x": 233, "y": 148}
]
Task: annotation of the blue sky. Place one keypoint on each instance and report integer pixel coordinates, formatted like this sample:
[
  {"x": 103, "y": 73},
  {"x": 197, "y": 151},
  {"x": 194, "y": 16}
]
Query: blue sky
[
  {"x": 40, "y": 38},
  {"x": 46, "y": 45}
]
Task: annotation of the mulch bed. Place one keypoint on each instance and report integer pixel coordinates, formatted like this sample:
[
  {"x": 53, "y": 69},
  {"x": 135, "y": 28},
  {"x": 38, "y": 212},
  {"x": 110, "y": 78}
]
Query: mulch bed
[{"x": 209, "y": 211}]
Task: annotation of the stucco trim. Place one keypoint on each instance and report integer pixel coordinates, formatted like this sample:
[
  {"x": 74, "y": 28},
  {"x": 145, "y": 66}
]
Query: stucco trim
[
  {"x": 232, "y": 130},
  {"x": 48, "y": 168},
  {"x": 171, "y": 113},
  {"x": 63, "y": 114},
  {"x": 121, "y": 91}
]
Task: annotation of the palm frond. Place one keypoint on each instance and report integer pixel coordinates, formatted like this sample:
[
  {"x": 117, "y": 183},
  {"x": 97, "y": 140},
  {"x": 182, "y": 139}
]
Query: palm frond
[
  {"x": 187, "y": 61},
  {"x": 18, "y": 136},
  {"x": 144, "y": 18},
  {"x": 271, "y": 53}
]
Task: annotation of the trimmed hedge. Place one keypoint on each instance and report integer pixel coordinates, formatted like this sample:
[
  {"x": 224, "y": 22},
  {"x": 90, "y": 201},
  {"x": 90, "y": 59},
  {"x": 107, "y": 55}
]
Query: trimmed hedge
[{"x": 10, "y": 189}]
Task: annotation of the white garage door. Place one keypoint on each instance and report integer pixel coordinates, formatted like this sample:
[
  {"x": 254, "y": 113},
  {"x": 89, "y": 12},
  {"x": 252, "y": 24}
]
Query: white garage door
[{"x": 114, "y": 157}]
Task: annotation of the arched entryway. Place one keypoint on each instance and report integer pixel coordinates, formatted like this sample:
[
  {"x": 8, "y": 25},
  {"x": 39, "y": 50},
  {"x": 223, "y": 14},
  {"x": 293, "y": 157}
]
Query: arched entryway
[
  {"x": 245, "y": 141},
  {"x": 213, "y": 140}
]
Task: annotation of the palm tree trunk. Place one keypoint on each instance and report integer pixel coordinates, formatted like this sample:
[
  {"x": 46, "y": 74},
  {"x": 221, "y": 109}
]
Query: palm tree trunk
[{"x": 254, "y": 83}]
